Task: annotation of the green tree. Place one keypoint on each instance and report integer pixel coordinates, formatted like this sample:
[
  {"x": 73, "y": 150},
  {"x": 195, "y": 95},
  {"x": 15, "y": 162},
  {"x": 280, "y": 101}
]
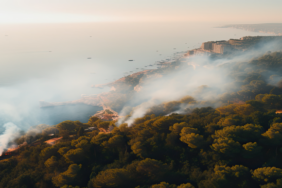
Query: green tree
[
  {"x": 193, "y": 140},
  {"x": 80, "y": 131},
  {"x": 227, "y": 146},
  {"x": 188, "y": 130},
  {"x": 116, "y": 141},
  {"x": 186, "y": 185},
  {"x": 69, "y": 186},
  {"x": 48, "y": 152},
  {"x": 111, "y": 178},
  {"x": 104, "y": 124},
  {"x": 177, "y": 127},
  {"x": 272, "y": 101},
  {"x": 278, "y": 184},
  {"x": 227, "y": 110},
  {"x": 251, "y": 150},
  {"x": 244, "y": 109},
  {"x": 67, "y": 125},
  {"x": 75, "y": 155},
  {"x": 100, "y": 138},
  {"x": 63, "y": 150},
  {"x": 64, "y": 133},
  {"x": 267, "y": 174},
  {"x": 274, "y": 134},
  {"x": 69, "y": 177},
  {"x": 225, "y": 176},
  {"x": 163, "y": 185},
  {"x": 51, "y": 163},
  {"x": 152, "y": 170},
  {"x": 242, "y": 134}
]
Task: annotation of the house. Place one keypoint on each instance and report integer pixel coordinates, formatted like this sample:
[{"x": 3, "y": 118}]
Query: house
[
  {"x": 53, "y": 141},
  {"x": 278, "y": 111}
]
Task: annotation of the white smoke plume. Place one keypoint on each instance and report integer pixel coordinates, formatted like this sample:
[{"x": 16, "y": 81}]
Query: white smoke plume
[
  {"x": 10, "y": 133},
  {"x": 194, "y": 72}
]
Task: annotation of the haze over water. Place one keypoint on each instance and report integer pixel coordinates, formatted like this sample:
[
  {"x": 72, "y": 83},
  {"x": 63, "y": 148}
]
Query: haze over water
[{"x": 60, "y": 62}]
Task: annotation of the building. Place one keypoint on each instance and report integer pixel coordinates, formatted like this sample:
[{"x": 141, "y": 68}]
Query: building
[
  {"x": 278, "y": 111},
  {"x": 53, "y": 141},
  {"x": 219, "y": 47}
]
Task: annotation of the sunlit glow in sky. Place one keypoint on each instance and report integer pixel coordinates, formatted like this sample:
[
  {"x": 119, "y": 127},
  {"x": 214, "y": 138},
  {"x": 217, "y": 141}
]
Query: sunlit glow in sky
[
  {"x": 22, "y": 17},
  {"x": 60, "y": 11}
]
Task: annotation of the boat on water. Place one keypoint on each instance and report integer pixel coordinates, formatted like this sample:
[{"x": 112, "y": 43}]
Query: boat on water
[{"x": 130, "y": 60}]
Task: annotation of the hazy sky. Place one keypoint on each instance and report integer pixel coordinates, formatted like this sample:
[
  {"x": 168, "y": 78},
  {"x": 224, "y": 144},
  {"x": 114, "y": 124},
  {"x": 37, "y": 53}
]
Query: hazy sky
[{"x": 224, "y": 11}]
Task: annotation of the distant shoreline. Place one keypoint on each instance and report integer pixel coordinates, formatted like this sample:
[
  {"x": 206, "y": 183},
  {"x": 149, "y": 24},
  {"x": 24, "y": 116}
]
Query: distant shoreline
[
  {"x": 105, "y": 99},
  {"x": 268, "y": 28}
]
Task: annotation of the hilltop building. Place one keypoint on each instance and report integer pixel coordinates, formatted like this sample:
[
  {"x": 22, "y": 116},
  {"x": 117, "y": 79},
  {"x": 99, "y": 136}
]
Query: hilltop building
[
  {"x": 226, "y": 47},
  {"x": 218, "y": 47}
]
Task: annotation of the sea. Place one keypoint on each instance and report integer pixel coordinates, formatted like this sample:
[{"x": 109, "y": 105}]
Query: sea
[{"x": 61, "y": 62}]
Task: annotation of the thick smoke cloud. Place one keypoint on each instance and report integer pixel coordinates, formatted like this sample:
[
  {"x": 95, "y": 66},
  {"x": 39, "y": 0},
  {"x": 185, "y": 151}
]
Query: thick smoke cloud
[
  {"x": 10, "y": 133},
  {"x": 20, "y": 101},
  {"x": 201, "y": 77}
]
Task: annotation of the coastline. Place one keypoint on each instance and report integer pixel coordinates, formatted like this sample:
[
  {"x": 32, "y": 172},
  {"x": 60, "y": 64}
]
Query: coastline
[
  {"x": 124, "y": 88},
  {"x": 271, "y": 29}
]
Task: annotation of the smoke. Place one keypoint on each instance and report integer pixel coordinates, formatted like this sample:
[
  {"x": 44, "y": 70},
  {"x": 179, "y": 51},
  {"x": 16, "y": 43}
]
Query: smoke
[
  {"x": 10, "y": 133},
  {"x": 19, "y": 100},
  {"x": 201, "y": 76}
]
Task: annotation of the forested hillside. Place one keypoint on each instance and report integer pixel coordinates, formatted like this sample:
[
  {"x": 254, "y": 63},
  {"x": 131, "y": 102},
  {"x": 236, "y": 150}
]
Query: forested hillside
[{"x": 238, "y": 144}]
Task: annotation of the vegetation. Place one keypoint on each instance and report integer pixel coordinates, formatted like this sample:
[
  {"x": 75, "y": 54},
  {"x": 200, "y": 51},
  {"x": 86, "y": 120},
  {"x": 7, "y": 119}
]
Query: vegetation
[{"x": 238, "y": 144}]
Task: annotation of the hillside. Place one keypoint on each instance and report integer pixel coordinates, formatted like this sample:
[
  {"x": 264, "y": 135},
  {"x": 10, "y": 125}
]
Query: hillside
[
  {"x": 212, "y": 138},
  {"x": 238, "y": 145},
  {"x": 123, "y": 88}
]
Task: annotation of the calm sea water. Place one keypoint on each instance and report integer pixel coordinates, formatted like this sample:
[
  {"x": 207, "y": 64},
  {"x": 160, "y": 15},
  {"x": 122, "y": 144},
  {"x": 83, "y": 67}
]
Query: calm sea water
[{"x": 60, "y": 62}]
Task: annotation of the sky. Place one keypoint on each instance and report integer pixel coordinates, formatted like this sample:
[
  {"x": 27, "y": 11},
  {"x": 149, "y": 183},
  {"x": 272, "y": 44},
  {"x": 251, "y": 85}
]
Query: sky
[{"x": 77, "y": 11}]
